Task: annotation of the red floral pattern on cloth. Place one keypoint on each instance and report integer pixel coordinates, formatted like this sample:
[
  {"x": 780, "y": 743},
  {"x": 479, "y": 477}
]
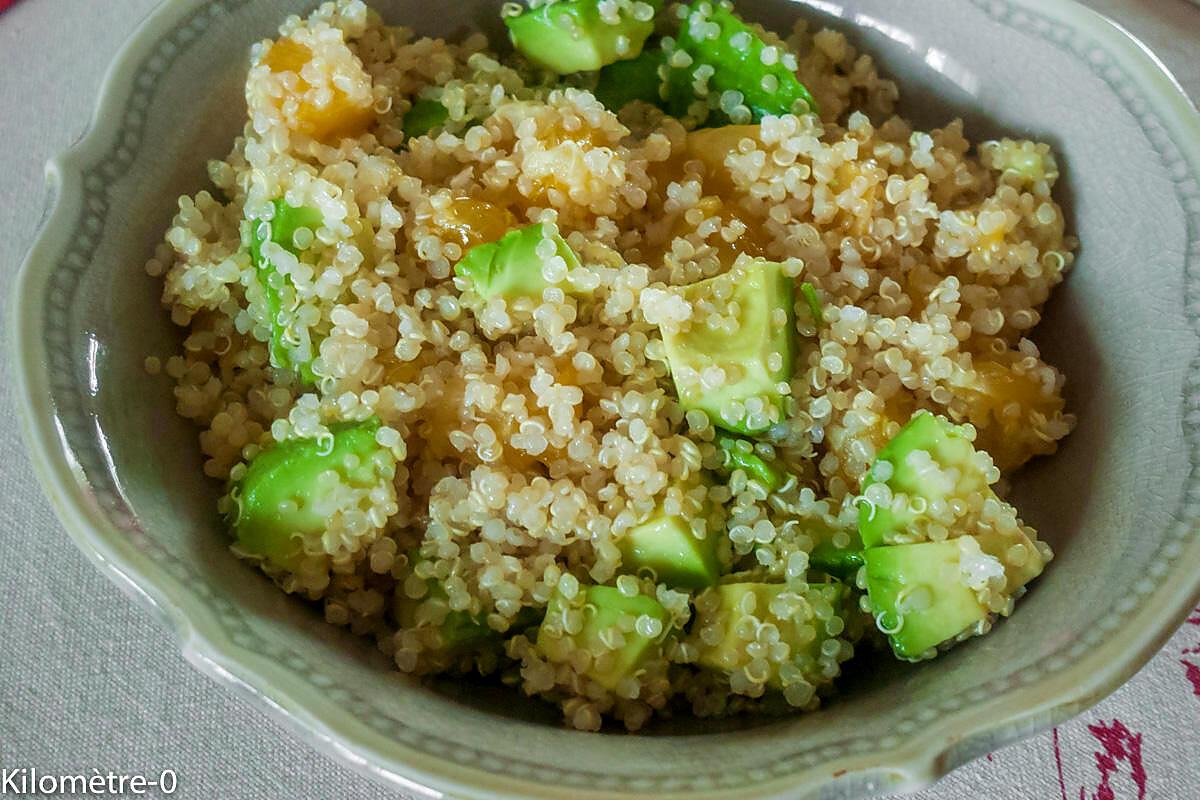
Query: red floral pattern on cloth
[
  {"x": 1141, "y": 743},
  {"x": 6, "y": 3},
  {"x": 1119, "y": 746},
  {"x": 1191, "y": 667}
]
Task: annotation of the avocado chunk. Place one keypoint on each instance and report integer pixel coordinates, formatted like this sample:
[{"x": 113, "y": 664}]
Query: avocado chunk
[
  {"x": 729, "y": 360},
  {"x": 513, "y": 266},
  {"x": 1020, "y": 554},
  {"x": 666, "y": 545},
  {"x": 916, "y": 479},
  {"x": 920, "y": 595},
  {"x": 566, "y": 36},
  {"x": 280, "y": 229},
  {"x": 943, "y": 552},
  {"x": 605, "y": 622},
  {"x": 839, "y": 562},
  {"x": 623, "y": 82},
  {"x": 457, "y": 632},
  {"x": 425, "y": 116},
  {"x": 745, "y": 77},
  {"x": 732, "y": 616},
  {"x": 1026, "y": 161},
  {"x": 291, "y": 489},
  {"x": 815, "y": 310},
  {"x": 738, "y": 453}
]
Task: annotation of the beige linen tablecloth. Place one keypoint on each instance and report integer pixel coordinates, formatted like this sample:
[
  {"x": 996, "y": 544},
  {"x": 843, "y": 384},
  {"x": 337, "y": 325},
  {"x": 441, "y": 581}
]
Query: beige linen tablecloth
[{"x": 89, "y": 680}]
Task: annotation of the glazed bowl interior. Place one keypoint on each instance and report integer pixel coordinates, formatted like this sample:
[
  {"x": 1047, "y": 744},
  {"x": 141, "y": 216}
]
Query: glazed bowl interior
[{"x": 1111, "y": 502}]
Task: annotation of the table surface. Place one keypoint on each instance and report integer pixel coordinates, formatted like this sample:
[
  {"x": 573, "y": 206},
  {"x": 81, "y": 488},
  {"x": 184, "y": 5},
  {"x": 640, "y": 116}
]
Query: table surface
[{"x": 88, "y": 680}]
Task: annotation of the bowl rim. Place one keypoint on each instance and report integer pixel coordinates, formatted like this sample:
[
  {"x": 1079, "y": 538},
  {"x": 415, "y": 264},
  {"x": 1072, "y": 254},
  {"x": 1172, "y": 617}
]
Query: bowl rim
[{"x": 1033, "y": 705}]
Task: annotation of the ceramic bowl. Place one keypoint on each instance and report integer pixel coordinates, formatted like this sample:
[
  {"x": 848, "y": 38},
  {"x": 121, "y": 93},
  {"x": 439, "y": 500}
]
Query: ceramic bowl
[{"x": 1120, "y": 502}]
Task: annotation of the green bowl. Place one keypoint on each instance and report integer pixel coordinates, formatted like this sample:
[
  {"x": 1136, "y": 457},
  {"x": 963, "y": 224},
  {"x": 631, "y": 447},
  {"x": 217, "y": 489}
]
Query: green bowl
[{"x": 1120, "y": 502}]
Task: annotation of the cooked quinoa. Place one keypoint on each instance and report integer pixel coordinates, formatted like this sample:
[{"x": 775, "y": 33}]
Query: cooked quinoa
[{"x": 510, "y": 449}]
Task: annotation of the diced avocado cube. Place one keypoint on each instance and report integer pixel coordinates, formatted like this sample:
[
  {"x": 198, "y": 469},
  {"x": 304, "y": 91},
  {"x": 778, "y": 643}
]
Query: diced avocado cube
[
  {"x": 730, "y": 618},
  {"x": 747, "y": 77},
  {"x": 737, "y": 348},
  {"x": 738, "y": 453},
  {"x": 1027, "y": 161},
  {"x": 927, "y": 465},
  {"x": 425, "y": 115},
  {"x": 282, "y": 226},
  {"x": 448, "y": 638},
  {"x": 809, "y": 292},
  {"x": 840, "y": 562},
  {"x": 566, "y": 36},
  {"x": 287, "y": 491},
  {"x": 920, "y": 596},
  {"x": 513, "y": 266},
  {"x": 607, "y": 626},
  {"x": 666, "y": 546},
  {"x": 281, "y": 229},
  {"x": 1022, "y": 559},
  {"x": 477, "y": 266},
  {"x": 623, "y": 82},
  {"x": 458, "y": 631}
]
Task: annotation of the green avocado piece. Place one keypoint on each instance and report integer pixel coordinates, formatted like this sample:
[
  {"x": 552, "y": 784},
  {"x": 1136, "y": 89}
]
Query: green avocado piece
[
  {"x": 665, "y": 545},
  {"x": 739, "y": 453},
  {"x": 809, "y": 292},
  {"x": 754, "y": 357},
  {"x": 840, "y": 562},
  {"x": 1026, "y": 160},
  {"x": 1022, "y": 559},
  {"x": 931, "y": 459},
  {"x": 727, "y": 607},
  {"x": 919, "y": 596},
  {"x": 425, "y": 115},
  {"x": 566, "y": 36},
  {"x": 623, "y": 82},
  {"x": 511, "y": 267},
  {"x": 606, "y": 611},
  {"x": 460, "y": 631},
  {"x": 281, "y": 229},
  {"x": 283, "y": 495},
  {"x": 715, "y": 39}
]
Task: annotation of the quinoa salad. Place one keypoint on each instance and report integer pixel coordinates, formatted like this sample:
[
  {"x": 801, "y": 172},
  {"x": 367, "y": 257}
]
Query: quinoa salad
[{"x": 647, "y": 361}]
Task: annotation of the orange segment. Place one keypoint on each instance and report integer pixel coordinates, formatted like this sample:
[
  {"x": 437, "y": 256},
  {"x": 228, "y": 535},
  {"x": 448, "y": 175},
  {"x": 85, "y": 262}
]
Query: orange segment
[
  {"x": 881, "y": 425},
  {"x": 753, "y": 240},
  {"x": 475, "y": 222},
  {"x": 397, "y": 372},
  {"x": 445, "y": 411},
  {"x": 340, "y": 117},
  {"x": 555, "y": 159},
  {"x": 710, "y": 146},
  {"x": 287, "y": 55},
  {"x": 1004, "y": 404}
]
